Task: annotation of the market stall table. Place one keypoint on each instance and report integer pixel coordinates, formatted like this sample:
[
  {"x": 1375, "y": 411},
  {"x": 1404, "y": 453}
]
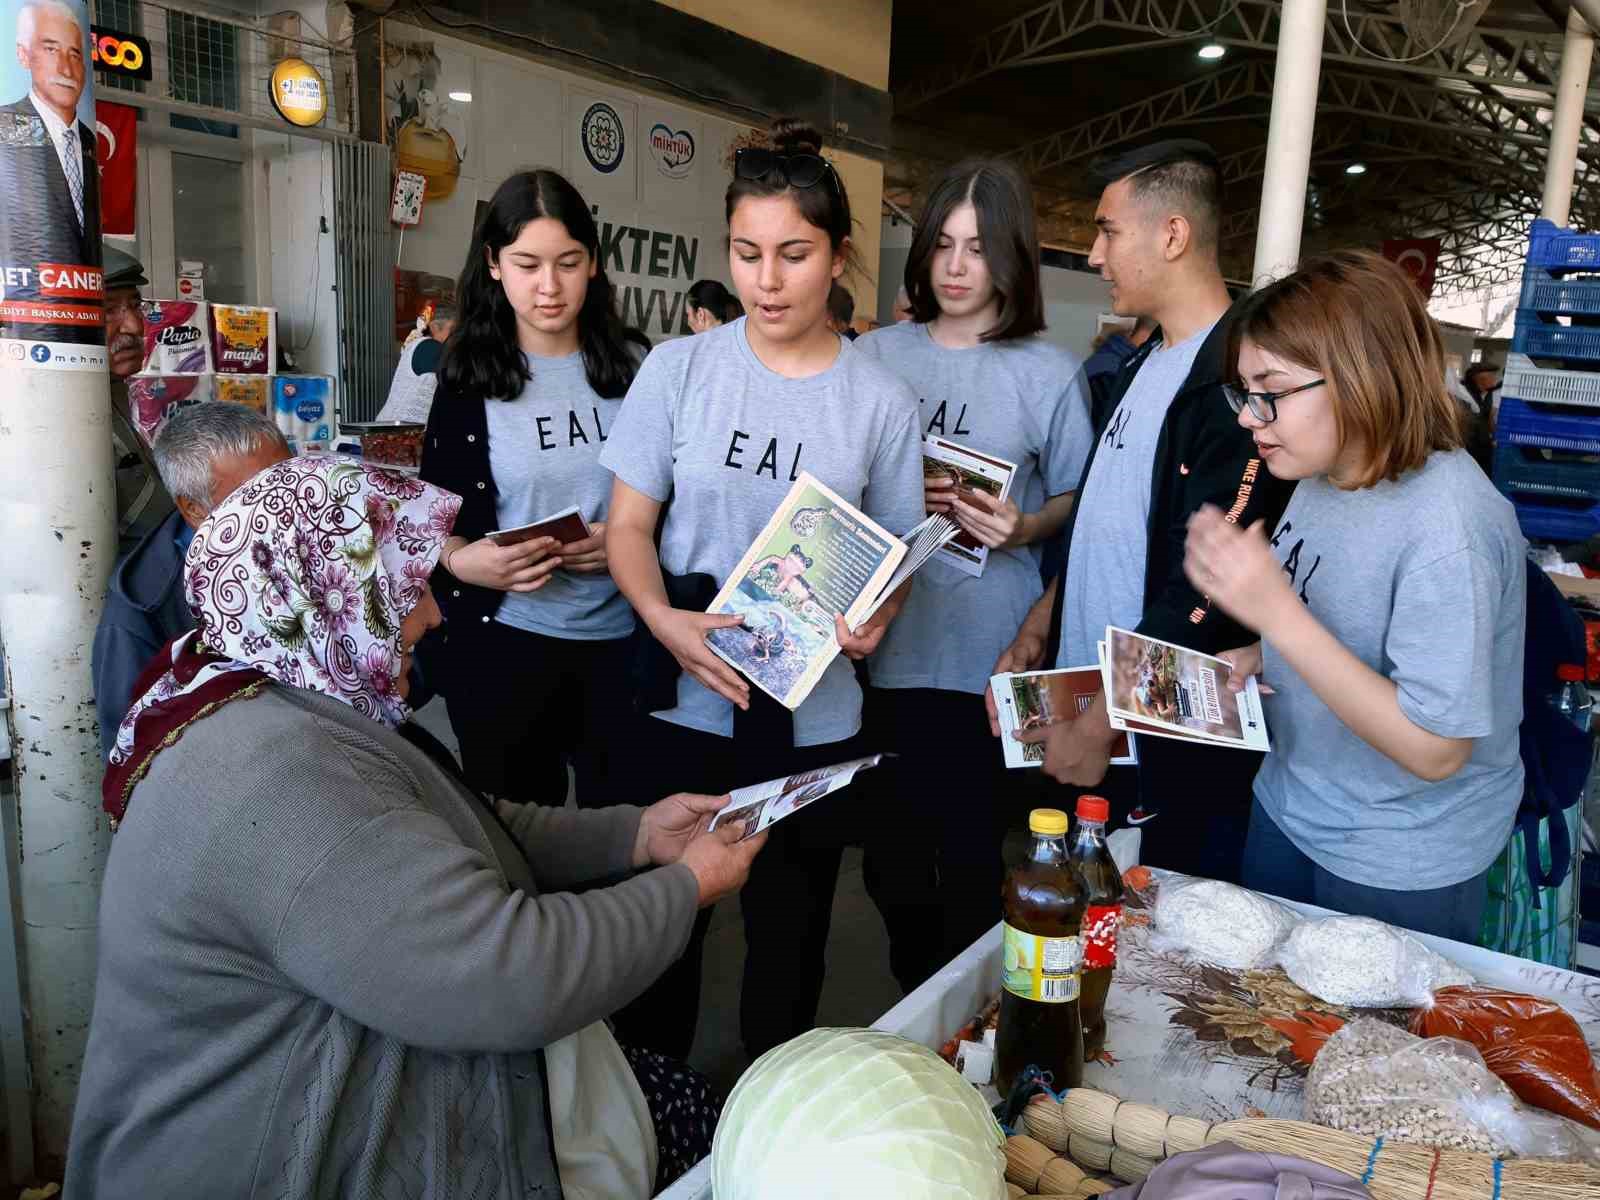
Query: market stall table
[{"x": 1194, "y": 1040}]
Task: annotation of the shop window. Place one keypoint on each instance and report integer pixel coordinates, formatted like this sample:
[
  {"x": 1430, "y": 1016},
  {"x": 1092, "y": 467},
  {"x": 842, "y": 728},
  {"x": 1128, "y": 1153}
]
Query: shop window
[
  {"x": 208, "y": 223},
  {"x": 203, "y": 68}
]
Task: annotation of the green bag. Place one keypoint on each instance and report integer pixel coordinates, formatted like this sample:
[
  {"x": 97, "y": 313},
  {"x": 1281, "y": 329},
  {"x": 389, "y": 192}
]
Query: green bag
[{"x": 1513, "y": 923}]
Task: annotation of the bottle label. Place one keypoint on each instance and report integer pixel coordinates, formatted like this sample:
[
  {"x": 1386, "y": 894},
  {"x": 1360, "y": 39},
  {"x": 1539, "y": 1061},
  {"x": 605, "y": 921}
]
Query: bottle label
[
  {"x": 1100, "y": 925},
  {"x": 1046, "y": 969}
]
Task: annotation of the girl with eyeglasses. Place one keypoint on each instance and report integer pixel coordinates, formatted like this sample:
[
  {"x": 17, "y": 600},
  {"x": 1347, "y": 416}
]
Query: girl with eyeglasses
[
  {"x": 714, "y": 432},
  {"x": 1390, "y": 600},
  {"x": 531, "y": 382},
  {"x": 987, "y": 381}
]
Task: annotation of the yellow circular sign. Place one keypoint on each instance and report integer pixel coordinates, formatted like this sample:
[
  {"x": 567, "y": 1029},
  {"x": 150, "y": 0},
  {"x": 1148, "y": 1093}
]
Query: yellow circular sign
[{"x": 298, "y": 92}]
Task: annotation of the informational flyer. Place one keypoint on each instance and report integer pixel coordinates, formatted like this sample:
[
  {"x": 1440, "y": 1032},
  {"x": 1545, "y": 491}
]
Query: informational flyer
[
  {"x": 1154, "y": 687},
  {"x": 765, "y": 804},
  {"x": 1028, "y": 700},
  {"x": 970, "y": 472}
]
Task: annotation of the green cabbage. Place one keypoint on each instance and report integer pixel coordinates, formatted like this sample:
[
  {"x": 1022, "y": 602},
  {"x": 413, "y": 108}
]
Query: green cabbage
[{"x": 856, "y": 1113}]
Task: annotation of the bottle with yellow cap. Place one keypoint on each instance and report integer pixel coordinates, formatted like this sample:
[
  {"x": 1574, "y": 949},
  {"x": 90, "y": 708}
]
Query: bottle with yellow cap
[{"x": 1043, "y": 903}]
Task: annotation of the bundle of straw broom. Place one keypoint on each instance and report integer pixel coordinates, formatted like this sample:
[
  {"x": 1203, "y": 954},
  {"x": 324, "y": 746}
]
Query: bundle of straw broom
[{"x": 1095, "y": 1131}]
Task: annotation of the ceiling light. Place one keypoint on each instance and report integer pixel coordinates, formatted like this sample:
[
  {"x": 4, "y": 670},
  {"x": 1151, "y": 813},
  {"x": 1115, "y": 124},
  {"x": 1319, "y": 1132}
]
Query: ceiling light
[
  {"x": 1211, "y": 51},
  {"x": 1356, "y": 169},
  {"x": 463, "y": 97}
]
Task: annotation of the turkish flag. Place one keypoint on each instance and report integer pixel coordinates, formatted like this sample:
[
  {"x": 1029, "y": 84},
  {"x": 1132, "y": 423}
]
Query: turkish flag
[
  {"x": 116, "y": 148},
  {"x": 1418, "y": 258}
]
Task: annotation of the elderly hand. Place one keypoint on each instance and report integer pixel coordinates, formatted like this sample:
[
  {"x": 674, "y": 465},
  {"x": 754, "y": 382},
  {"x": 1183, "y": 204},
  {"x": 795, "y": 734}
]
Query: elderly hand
[
  {"x": 720, "y": 861},
  {"x": 1236, "y": 569},
  {"x": 668, "y": 826}
]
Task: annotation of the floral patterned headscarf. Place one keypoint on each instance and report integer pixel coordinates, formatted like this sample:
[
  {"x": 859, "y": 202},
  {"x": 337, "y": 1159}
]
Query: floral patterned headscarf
[{"x": 302, "y": 577}]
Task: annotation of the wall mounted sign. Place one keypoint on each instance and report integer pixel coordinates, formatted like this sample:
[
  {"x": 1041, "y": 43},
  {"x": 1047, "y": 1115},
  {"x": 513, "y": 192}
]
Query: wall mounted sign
[
  {"x": 299, "y": 93},
  {"x": 603, "y": 140},
  {"x": 672, "y": 149},
  {"x": 116, "y": 53}
]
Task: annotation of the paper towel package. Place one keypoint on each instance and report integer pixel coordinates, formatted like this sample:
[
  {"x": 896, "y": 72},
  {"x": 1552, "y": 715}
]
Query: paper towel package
[
  {"x": 244, "y": 339},
  {"x": 154, "y": 398},
  {"x": 177, "y": 338},
  {"x": 252, "y": 391},
  {"x": 302, "y": 406}
]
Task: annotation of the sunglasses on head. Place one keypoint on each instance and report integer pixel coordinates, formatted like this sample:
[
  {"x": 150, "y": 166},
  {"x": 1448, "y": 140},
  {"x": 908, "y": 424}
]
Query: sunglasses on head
[{"x": 795, "y": 170}]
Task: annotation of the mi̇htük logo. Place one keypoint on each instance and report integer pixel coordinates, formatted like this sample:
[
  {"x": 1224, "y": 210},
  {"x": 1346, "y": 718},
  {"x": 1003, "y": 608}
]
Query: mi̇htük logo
[
  {"x": 672, "y": 149},
  {"x": 603, "y": 141}
]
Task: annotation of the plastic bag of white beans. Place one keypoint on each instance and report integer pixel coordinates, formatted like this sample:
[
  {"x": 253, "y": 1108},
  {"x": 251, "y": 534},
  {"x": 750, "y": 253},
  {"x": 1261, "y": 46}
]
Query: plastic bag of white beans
[
  {"x": 1365, "y": 964},
  {"x": 1218, "y": 923}
]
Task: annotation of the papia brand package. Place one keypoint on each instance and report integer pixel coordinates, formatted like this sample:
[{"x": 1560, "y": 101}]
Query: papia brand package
[
  {"x": 154, "y": 398},
  {"x": 302, "y": 406},
  {"x": 252, "y": 391},
  {"x": 244, "y": 340},
  {"x": 177, "y": 338}
]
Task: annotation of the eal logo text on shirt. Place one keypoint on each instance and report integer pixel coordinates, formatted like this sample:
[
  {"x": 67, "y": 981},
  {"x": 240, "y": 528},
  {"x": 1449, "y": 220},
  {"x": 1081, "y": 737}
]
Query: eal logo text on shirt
[{"x": 602, "y": 137}]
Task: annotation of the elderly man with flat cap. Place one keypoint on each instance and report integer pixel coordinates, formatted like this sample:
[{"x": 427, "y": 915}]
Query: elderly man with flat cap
[
  {"x": 1169, "y": 445},
  {"x": 142, "y": 502}
]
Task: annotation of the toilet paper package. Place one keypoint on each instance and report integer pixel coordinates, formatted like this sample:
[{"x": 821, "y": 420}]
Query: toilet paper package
[
  {"x": 252, "y": 391},
  {"x": 154, "y": 398},
  {"x": 177, "y": 338},
  {"x": 244, "y": 339},
  {"x": 302, "y": 406}
]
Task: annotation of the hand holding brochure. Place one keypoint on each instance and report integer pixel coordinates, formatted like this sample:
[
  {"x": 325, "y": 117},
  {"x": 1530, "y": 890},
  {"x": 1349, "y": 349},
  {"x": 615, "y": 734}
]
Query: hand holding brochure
[
  {"x": 1163, "y": 690},
  {"x": 1033, "y": 699},
  {"x": 565, "y": 526},
  {"x": 972, "y": 472},
  {"x": 765, "y": 804},
  {"x": 816, "y": 558}
]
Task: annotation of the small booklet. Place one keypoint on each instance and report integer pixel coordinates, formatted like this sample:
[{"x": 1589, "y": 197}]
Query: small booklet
[
  {"x": 1030, "y": 699},
  {"x": 765, "y": 804},
  {"x": 818, "y": 556},
  {"x": 565, "y": 526},
  {"x": 1156, "y": 688},
  {"x": 972, "y": 472}
]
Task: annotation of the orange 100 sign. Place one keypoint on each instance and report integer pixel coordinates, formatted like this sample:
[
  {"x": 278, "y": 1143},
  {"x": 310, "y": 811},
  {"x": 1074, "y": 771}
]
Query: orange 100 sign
[{"x": 120, "y": 53}]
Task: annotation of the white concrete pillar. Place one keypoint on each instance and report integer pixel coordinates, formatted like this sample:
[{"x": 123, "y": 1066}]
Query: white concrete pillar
[
  {"x": 1572, "y": 89},
  {"x": 58, "y": 533},
  {"x": 1296, "y": 74}
]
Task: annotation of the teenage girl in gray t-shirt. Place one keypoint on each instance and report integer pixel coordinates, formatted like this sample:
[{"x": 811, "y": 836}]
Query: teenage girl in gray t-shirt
[
  {"x": 712, "y": 434},
  {"x": 987, "y": 381},
  {"x": 1390, "y": 600}
]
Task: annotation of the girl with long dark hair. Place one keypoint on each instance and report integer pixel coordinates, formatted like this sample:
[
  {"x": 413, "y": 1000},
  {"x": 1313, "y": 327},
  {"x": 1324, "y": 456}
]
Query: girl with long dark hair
[
  {"x": 711, "y": 304},
  {"x": 991, "y": 384},
  {"x": 535, "y": 661},
  {"x": 721, "y": 425}
]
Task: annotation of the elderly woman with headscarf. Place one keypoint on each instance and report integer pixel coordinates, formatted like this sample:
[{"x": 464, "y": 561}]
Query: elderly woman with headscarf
[{"x": 326, "y": 967}]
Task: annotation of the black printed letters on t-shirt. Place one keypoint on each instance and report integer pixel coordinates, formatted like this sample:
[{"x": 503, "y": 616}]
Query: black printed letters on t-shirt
[
  {"x": 936, "y": 423},
  {"x": 577, "y": 432},
  {"x": 1291, "y": 564},
  {"x": 768, "y": 464}
]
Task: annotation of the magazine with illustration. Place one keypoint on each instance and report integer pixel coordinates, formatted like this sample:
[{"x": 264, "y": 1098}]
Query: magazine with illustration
[
  {"x": 765, "y": 804},
  {"x": 818, "y": 556},
  {"x": 1157, "y": 688},
  {"x": 1031, "y": 699},
  {"x": 972, "y": 472},
  {"x": 565, "y": 526}
]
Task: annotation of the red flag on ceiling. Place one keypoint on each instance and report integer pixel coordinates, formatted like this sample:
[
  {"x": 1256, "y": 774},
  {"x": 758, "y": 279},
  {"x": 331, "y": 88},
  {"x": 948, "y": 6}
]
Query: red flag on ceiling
[
  {"x": 1418, "y": 257},
  {"x": 116, "y": 149}
]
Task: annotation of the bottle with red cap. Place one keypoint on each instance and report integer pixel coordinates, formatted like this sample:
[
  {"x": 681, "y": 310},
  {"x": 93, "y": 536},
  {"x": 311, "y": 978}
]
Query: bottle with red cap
[{"x": 1102, "y": 916}]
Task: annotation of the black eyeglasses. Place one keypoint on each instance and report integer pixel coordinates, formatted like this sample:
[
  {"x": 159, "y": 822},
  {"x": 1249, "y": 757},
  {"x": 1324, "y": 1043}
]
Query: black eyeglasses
[
  {"x": 795, "y": 170},
  {"x": 1263, "y": 405}
]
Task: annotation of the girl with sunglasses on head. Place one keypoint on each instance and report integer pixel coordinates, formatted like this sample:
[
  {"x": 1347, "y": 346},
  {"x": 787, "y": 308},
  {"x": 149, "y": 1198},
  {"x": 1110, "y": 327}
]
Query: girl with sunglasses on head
[
  {"x": 530, "y": 385},
  {"x": 1390, "y": 600},
  {"x": 714, "y": 432},
  {"x": 988, "y": 381}
]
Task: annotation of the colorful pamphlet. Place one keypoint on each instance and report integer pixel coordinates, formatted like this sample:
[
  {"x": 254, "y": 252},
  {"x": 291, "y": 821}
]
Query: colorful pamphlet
[
  {"x": 565, "y": 526},
  {"x": 972, "y": 472},
  {"x": 765, "y": 804},
  {"x": 1032, "y": 699},
  {"x": 817, "y": 557},
  {"x": 1157, "y": 688}
]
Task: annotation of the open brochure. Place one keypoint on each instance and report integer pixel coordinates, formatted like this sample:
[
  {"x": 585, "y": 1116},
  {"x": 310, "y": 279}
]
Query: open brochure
[
  {"x": 765, "y": 804},
  {"x": 1032, "y": 699},
  {"x": 1157, "y": 688},
  {"x": 818, "y": 556},
  {"x": 566, "y": 526},
  {"x": 972, "y": 472}
]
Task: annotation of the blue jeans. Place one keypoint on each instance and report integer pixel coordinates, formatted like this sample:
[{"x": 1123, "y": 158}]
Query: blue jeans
[{"x": 1275, "y": 865}]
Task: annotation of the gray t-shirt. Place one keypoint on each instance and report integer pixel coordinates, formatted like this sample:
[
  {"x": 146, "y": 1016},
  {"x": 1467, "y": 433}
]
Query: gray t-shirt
[
  {"x": 1422, "y": 579},
  {"x": 1106, "y": 562},
  {"x": 544, "y": 455},
  {"x": 711, "y": 428},
  {"x": 1022, "y": 401}
]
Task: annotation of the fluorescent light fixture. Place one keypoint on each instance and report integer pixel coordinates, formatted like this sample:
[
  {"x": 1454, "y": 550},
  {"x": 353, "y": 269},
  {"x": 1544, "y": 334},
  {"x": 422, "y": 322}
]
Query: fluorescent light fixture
[
  {"x": 1211, "y": 51},
  {"x": 464, "y": 97},
  {"x": 1356, "y": 169}
]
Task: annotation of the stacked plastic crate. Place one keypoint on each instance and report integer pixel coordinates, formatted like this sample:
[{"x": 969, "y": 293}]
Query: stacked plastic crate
[{"x": 1547, "y": 437}]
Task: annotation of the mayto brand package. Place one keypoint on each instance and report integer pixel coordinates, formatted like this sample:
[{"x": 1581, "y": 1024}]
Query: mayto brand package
[
  {"x": 177, "y": 338},
  {"x": 252, "y": 391},
  {"x": 154, "y": 398},
  {"x": 302, "y": 406},
  {"x": 244, "y": 340}
]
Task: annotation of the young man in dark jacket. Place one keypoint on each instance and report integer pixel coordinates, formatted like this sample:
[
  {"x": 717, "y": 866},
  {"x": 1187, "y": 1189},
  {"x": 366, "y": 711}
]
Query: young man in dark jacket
[{"x": 1169, "y": 445}]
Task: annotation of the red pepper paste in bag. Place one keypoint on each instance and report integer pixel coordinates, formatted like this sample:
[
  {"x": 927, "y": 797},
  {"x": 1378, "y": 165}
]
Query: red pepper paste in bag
[{"x": 1533, "y": 1044}]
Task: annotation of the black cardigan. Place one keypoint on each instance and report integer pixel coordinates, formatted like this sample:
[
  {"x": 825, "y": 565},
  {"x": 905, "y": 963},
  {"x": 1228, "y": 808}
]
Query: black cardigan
[{"x": 455, "y": 456}]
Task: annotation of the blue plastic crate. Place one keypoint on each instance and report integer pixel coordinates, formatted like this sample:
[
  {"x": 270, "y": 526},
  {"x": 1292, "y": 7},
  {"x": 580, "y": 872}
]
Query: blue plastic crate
[
  {"x": 1539, "y": 338},
  {"x": 1550, "y": 295},
  {"x": 1523, "y": 471},
  {"x": 1521, "y": 424},
  {"x": 1555, "y": 248},
  {"x": 1553, "y": 519},
  {"x": 1527, "y": 381}
]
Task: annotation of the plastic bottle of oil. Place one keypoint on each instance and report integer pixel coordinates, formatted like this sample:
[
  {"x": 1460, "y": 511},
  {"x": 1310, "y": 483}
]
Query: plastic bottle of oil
[
  {"x": 1043, "y": 960},
  {"x": 1102, "y": 917}
]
